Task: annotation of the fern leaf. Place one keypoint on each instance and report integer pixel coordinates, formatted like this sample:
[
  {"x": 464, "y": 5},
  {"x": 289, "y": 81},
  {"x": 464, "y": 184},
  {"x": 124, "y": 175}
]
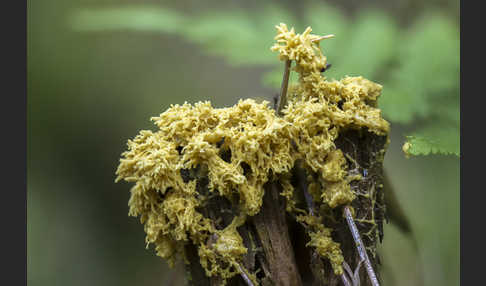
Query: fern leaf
[
  {"x": 434, "y": 139},
  {"x": 427, "y": 72}
]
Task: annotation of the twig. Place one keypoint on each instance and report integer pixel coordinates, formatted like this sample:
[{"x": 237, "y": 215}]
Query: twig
[
  {"x": 360, "y": 246},
  {"x": 353, "y": 276},
  {"x": 345, "y": 280},
  {"x": 356, "y": 273},
  {"x": 323, "y": 38},
  {"x": 244, "y": 275},
  {"x": 282, "y": 99}
]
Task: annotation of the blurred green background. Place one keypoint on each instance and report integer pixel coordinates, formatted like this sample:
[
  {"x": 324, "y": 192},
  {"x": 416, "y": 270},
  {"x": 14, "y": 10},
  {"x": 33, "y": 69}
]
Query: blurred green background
[{"x": 98, "y": 70}]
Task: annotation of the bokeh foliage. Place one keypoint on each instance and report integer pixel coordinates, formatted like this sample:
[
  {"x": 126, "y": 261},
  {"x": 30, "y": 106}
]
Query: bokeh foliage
[
  {"x": 418, "y": 65},
  {"x": 89, "y": 90}
]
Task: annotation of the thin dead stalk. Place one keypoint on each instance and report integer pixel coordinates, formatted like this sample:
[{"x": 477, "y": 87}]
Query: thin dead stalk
[
  {"x": 282, "y": 99},
  {"x": 360, "y": 246}
]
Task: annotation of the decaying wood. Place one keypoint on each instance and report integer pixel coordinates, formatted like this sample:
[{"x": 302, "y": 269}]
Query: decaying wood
[{"x": 272, "y": 229}]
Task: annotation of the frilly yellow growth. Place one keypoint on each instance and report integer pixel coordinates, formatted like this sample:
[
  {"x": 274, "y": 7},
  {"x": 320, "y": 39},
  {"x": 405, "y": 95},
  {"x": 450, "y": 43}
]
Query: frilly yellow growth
[
  {"x": 191, "y": 137},
  {"x": 240, "y": 148},
  {"x": 350, "y": 102},
  {"x": 228, "y": 247},
  {"x": 326, "y": 247},
  {"x": 301, "y": 48}
]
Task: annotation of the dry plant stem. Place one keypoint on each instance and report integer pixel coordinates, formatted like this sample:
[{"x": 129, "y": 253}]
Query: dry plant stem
[
  {"x": 282, "y": 99},
  {"x": 345, "y": 280},
  {"x": 323, "y": 38},
  {"x": 354, "y": 276},
  {"x": 244, "y": 276},
  {"x": 360, "y": 246}
]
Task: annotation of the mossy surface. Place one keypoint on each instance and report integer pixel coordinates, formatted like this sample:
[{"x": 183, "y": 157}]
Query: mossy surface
[{"x": 240, "y": 148}]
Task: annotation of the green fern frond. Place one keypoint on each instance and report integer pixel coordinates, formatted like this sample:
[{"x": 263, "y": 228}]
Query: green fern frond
[
  {"x": 434, "y": 140},
  {"x": 428, "y": 71}
]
